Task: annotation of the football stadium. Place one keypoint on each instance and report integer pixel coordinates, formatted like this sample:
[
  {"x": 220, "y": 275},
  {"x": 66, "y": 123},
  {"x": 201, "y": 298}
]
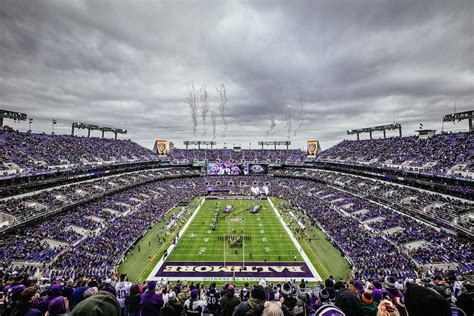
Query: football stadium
[{"x": 144, "y": 173}]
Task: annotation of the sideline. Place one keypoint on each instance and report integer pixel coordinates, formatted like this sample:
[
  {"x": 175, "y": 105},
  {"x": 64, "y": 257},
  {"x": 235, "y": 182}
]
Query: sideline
[
  {"x": 151, "y": 276},
  {"x": 315, "y": 273}
]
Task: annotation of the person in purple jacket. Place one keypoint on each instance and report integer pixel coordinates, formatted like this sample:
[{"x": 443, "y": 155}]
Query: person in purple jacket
[
  {"x": 53, "y": 291},
  {"x": 151, "y": 301}
]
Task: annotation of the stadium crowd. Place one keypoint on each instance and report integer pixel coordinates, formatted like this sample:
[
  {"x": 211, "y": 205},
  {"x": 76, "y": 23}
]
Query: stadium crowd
[
  {"x": 85, "y": 238},
  {"x": 356, "y": 297},
  {"x": 50, "y": 200},
  {"x": 435, "y": 206},
  {"x": 36, "y": 153},
  {"x": 436, "y": 156}
]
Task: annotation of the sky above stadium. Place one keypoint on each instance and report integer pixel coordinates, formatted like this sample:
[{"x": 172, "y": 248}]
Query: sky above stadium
[{"x": 127, "y": 64}]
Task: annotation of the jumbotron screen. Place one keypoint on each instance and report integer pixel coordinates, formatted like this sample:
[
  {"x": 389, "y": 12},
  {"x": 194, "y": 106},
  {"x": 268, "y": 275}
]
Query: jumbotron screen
[
  {"x": 257, "y": 169},
  {"x": 225, "y": 168}
]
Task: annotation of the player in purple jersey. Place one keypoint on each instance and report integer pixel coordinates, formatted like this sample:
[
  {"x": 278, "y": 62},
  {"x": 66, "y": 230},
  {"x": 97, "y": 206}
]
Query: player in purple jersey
[{"x": 213, "y": 300}]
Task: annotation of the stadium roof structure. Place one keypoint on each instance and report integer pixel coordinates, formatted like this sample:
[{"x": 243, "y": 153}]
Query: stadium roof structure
[
  {"x": 383, "y": 128},
  {"x": 466, "y": 115},
  {"x": 17, "y": 116},
  {"x": 198, "y": 143},
  {"x": 91, "y": 127},
  {"x": 275, "y": 143}
]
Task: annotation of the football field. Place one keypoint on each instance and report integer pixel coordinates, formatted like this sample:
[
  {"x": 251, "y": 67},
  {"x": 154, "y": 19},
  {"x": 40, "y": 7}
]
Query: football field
[
  {"x": 262, "y": 235},
  {"x": 224, "y": 238}
]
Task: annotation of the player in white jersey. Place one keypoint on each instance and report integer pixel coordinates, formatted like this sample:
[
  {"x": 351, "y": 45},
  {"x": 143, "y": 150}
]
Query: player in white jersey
[{"x": 123, "y": 291}]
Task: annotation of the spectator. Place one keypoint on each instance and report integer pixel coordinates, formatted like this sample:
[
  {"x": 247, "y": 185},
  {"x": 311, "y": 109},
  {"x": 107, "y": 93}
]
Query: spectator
[
  {"x": 132, "y": 301},
  {"x": 347, "y": 301},
  {"x": 420, "y": 301},
  {"x": 368, "y": 305},
  {"x": 229, "y": 301},
  {"x": 151, "y": 301},
  {"x": 272, "y": 309},
  {"x": 78, "y": 293},
  {"x": 173, "y": 306},
  {"x": 122, "y": 288},
  {"x": 100, "y": 304},
  {"x": 194, "y": 306},
  {"x": 213, "y": 300},
  {"x": 254, "y": 304},
  {"x": 68, "y": 290},
  {"x": 27, "y": 303},
  {"x": 58, "y": 306}
]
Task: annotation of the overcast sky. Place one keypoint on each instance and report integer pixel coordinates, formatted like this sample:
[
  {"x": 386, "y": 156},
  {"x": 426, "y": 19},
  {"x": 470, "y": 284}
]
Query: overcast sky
[{"x": 127, "y": 63}]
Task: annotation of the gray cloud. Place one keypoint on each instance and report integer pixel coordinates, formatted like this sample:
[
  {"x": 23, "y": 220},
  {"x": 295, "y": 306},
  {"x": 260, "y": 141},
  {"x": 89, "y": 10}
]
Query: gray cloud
[{"x": 126, "y": 64}]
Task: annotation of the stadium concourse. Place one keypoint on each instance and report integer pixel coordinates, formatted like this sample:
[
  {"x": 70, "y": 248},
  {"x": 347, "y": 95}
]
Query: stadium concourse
[{"x": 399, "y": 210}]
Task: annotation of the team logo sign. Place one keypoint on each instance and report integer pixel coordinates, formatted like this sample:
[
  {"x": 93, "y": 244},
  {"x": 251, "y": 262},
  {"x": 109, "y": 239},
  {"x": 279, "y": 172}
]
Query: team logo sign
[
  {"x": 313, "y": 147},
  {"x": 160, "y": 147},
  {"x": 250, "y": 270}
]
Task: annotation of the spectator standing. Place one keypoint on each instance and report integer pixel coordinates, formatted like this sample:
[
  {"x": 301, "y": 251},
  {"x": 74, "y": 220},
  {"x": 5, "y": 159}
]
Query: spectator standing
[
  {"x": 229, "y": 301},
  {"x": 151, "y": 301}
]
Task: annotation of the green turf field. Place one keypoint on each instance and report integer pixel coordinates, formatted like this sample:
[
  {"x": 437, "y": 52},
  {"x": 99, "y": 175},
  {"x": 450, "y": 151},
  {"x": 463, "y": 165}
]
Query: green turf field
[
  {"x": 323, "y": 255},
  {"x": 326, "y": 258},
  {"x": 137, "y": 264},
  {"x": 264, "y": 236}
]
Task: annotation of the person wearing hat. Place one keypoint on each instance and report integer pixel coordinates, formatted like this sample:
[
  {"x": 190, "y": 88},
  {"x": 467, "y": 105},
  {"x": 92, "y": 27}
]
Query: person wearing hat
[
  {"x": 229, "y": 301},
  {"x": 329, "y": 286},
  {"x": 358, "y": 286},
  {"x": 421, "y": 300},
  {"x": 377, "y": 284},
  {"x": 58, "y": 306},
  {"x": 291, "y": 302},
  {"x": 132, "y": 301},
  {"x": 194, "y": 306},
  {"x": 255, "y": 301},
  {"x": 329, "y": 310},
  {"x": 390, "y": 287},
  {"x": 322, "y": 299},
  {"x": 53, "y": 291},
  {"x": 27, "y": 303},
  {"x": 368, "y": 304},
  {"x": 151, "y": 301},
  {"x": 13, "y": 295},
  {"x": 173, "y": 307},
  {"x": 100, "y": 304},
  {"x": 348, "y": 302}
]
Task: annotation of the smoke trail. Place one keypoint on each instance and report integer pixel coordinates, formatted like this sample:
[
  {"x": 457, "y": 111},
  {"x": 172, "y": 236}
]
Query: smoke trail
[
  {"x": 204, "y": 97},
  {"x": 299, "y": 90},
  {"x": 223, "y": 100},
  {"x": 288, "y": 111},
  {"x": 213, "y": 116},
  {"x": 267, "y": 97},
  {"x": 191, "y": 99}
]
